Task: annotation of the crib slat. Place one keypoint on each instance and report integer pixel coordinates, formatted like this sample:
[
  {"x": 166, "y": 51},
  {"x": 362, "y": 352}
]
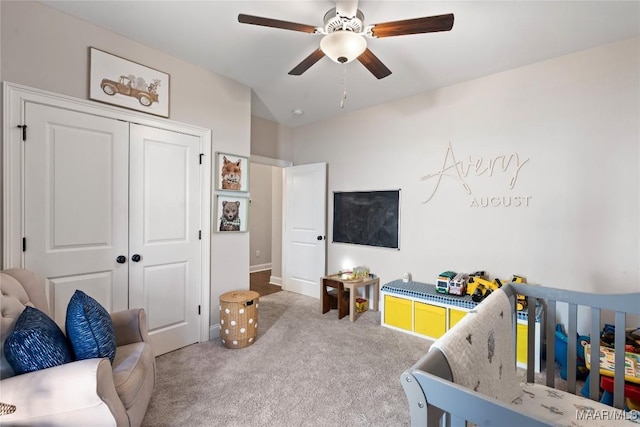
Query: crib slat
[
  {"x": 551, "y": 342},
  {"x": 571, "y": 348},
  {"x": 594, "y": 351},
  {"x": 618, "y": 382},
  {"x": 531, "y": 338},
  {"x": 457, "y": 421}
]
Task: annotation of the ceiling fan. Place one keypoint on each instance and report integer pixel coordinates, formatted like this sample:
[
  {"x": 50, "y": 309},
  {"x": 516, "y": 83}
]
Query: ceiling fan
[{"x": 344, "y": 35}]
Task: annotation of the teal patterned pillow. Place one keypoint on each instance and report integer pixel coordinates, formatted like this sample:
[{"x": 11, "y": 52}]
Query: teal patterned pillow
[
  {"x": 90, "y": 328},
  {"x": 35, "y": 343}
]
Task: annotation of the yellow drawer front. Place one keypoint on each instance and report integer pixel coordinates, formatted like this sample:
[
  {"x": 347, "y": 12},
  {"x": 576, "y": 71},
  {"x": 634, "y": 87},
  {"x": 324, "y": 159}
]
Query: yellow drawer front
[
  {"x": 397, "y": 312},
  {"x": 521, "y": 353},
  {"x": 455, "y": 316},
  {"x": 430, "y": 320}
]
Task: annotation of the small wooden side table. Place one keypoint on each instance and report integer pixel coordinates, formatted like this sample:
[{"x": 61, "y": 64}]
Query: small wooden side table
[{"x": 372, "y": 287}]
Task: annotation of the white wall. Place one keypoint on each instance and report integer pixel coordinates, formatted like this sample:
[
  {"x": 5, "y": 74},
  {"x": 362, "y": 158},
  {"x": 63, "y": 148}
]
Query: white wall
[
  {"x": 1, "y": 160},
  {"x": 260, "y": 216},
  {"x": 271, "y": 139},
  {"x": 576, "y": 120},
  {"x": 46, "y": 49}
]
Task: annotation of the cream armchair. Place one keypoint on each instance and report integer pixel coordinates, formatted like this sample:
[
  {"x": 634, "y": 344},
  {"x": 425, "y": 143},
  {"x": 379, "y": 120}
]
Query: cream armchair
[{"x": 84, "y": 392}]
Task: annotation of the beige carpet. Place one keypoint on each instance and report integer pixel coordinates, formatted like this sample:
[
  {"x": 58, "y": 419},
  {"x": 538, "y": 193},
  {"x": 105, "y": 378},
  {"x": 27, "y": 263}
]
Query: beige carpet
[{"x": 305, "y": 369}]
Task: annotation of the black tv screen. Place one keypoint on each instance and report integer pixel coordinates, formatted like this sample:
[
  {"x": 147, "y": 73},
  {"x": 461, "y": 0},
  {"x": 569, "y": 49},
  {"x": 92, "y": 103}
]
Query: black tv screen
[{"x": 369, "y": 218}]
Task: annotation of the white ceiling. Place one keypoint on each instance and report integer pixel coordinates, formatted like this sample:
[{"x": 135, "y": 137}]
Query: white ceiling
[{"x": 487, "y": 37}]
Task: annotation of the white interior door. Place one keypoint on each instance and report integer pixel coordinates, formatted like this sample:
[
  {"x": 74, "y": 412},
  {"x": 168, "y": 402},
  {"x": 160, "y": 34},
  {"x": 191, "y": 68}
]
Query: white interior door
[
  {"x": 164, "y": 228},
  {"x": 76, "y": 201},
  {"x": 304, "y": 252}
]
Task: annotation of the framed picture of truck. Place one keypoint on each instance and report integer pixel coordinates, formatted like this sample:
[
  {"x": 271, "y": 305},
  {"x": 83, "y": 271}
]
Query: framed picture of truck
[{"x": 118, "y": 81}]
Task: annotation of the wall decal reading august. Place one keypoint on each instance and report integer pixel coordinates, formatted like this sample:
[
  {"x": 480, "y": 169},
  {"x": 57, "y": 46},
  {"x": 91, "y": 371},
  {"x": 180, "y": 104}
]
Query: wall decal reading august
[{"x": 461, "y": 170}]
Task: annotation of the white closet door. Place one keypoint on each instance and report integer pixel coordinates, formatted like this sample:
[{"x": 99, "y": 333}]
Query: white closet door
[
  {"x": 164, "y": 226},
  {"x": 76, "y": 202}
]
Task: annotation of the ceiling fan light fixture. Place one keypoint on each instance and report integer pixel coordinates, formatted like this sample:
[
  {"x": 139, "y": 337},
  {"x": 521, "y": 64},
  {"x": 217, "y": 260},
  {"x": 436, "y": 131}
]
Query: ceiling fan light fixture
[{"x": 343, "y": 46}]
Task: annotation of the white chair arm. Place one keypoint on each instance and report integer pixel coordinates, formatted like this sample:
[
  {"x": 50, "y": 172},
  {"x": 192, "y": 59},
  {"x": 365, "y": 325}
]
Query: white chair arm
[{"x": 72, "y": 394}]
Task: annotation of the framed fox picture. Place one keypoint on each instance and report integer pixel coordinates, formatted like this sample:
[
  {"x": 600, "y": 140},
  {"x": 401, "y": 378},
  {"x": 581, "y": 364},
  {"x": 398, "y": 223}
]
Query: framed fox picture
[{"x": 232, "y": 172}]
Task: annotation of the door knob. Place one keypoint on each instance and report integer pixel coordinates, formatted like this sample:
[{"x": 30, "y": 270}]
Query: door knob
[
  {"x": 121, "y": 259},
  {"x": 320, "y": 237},
  {"x": 136, "y": 258}
]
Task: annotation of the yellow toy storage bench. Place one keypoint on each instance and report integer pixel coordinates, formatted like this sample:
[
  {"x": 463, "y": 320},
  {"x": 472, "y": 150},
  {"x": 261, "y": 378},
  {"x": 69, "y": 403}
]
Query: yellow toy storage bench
[{"x": 417, "y": 308}]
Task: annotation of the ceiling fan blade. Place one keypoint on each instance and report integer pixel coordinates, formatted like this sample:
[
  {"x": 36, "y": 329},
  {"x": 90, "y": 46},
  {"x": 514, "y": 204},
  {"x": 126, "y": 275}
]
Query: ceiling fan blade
[
  {"x": 428, "y": 24},
  {"x": 275, "y": 23},
  {"x": 307, "y": 62},
  {"x": 373, "y": 64},
  {"x": 347, "y": 8}
]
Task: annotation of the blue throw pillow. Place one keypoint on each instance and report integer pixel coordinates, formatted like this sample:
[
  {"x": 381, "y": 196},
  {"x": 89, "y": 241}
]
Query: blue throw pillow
[
  {"x": 36, "y": 343},
  {"x": 90, "y": 328}
]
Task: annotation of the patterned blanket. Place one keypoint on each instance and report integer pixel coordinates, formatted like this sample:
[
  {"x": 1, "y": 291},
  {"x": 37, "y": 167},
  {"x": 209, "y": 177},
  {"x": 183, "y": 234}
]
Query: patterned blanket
[{"x": 480, "y": 350}]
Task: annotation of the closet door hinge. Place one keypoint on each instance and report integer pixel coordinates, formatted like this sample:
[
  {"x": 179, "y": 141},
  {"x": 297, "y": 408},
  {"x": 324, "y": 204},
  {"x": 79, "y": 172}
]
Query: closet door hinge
[
  {"x": 201, "y": 155},
  {"x": 24, "y": 244},
  {"x": 24, "y": 131},
  {"x": 199, "y": 311}
]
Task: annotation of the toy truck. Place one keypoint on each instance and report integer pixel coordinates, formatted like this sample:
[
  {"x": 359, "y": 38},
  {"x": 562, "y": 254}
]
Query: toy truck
[
  {"x": 483, "y": 287},
  {"x": 522, "y": 301},
  {"x": 442, "y": 285},
  {"x": 474, "y": 280},
  {"x": 458, "y": 285},
  {"x": 125, "y": 86},
  {"x": 452, "y": 283}
]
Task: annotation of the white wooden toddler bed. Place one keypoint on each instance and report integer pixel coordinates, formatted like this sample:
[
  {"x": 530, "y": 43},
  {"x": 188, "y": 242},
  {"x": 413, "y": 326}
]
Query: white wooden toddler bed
[{"x": 469, "y": 374}]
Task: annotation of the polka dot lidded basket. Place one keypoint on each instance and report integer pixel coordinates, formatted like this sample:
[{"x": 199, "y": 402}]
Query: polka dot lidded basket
[{"x": 238, "y": 318}]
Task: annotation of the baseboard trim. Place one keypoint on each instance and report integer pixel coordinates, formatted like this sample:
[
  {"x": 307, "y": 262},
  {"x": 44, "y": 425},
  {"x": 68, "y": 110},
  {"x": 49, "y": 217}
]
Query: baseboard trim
[
  {"x": 274, "y": 280},
  {"x": 299, "y": 288},
  {"x": 259, "y": 267}
]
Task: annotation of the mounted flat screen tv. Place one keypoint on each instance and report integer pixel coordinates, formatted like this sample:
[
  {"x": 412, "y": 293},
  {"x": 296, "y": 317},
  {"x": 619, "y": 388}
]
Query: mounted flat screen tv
[{"x": 370, "y": 218}]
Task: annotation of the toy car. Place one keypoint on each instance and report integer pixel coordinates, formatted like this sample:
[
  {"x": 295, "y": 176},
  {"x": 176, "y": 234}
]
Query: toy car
[
  {"x": 458, "y": 285},
  {"x": 442, "y": 285}
]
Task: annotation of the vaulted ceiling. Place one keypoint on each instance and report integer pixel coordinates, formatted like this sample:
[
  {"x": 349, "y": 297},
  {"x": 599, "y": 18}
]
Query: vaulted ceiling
[{"x": 487, "y": 37}]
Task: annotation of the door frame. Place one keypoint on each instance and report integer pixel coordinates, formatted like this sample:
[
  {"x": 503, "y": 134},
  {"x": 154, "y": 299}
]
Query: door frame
[
  {"x": 15, "y": 97},
  {"x": 282, "y": 164}
]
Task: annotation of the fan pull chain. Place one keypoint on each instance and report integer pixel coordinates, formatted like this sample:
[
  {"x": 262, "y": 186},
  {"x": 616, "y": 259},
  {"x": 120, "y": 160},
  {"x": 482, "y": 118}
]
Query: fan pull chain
[{"x": 344, "y": 86}]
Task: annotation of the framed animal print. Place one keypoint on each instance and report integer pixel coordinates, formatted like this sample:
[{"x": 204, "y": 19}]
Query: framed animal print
[
  {"x": 232, "y": 173},
  {"x": 232, "y": 213}
]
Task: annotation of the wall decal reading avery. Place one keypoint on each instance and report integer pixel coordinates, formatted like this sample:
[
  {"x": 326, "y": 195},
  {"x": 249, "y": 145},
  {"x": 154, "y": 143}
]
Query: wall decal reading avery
[{"x": 461, "y": 170}]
